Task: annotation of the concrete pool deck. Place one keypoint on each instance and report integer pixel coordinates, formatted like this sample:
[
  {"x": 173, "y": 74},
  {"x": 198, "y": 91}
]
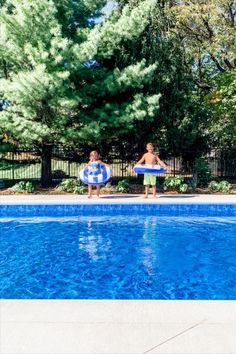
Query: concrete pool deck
[
  {"x": 117, "y": 326},
  {"x": 118, "y": 199}
]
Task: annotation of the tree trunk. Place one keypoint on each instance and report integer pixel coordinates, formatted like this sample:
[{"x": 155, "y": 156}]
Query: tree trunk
[{"x": 46, "y": 166}]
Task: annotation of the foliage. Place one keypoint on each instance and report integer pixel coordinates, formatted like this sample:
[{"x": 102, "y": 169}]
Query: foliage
[
  {"x": 183, "y": 188},
  {"x": 59, "y": 86},
  {"x": 213, "y": 186},
  {"x": 59, "y": 80},
  {"x": 23, "y": 186},
  {"x": 207, "y": 31},
  {"x": 180, "y": 116},
  {"x": 223, "y": 186},
  {"x": 222, "y": 103},
  {"x": 79, "y": 189},
  {"x": 208, "y": 35},
  {"x": 175, "y": 184},
  {"x": 123, "y": 186},
  {"x": 109, "y": 188},
  {"x": 4, "y": 147},
  {"x": 72, "y": 186},
  {"x": 202, "y": 172}
]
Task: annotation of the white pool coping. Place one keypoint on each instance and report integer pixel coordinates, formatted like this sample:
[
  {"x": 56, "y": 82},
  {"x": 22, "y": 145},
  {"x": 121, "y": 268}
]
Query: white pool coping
[
  {"x": 117, "y": 326},
  {"x": 119, "y": 199}
]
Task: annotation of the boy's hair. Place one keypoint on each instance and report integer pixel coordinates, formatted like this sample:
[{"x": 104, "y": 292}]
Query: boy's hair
[
  {"x": 93, "y": 153},
  {"x": 149, "y": 144}
]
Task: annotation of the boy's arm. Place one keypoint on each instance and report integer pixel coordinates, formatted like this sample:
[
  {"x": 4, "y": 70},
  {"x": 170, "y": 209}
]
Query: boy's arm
[
  {"x": 142, "y": 160},
  {"x": 160, "y": 162},
  {"x": 105, "y": 164},
  {"x": 87, "y": 164}
]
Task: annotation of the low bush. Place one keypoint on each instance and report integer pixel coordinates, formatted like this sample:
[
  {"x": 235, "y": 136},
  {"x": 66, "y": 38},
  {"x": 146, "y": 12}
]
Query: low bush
[
  {"x": 23, "y": 186},
  {"x": 175, "y": 184},
  {"x": 71, "y": 185},
  {"x": 109, "y": 188},
  {"x": 123, "y": 186},
  {"x": 213, "y": 186},
  {"x": 223, "y": 186}
]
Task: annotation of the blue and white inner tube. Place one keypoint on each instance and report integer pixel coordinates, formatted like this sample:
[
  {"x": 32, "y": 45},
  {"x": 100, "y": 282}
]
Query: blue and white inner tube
[
  {"x": 95, "y": 176},
  {"x": 145, "y": 168}
]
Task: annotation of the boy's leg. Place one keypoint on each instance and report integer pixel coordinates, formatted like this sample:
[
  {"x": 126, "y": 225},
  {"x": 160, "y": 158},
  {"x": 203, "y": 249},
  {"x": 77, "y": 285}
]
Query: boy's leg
[
  {"x": 98, "y": 190},
  {"x": 153, "y": 182},
  {"x": 146, "y": 184},
  {"x": 90, "y": 191},
  {"x": 146, "y": 190},
  {"x": 154, "y": 190}
]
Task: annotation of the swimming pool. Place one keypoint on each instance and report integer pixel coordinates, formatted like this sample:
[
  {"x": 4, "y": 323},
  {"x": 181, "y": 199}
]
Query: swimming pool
[{"x": 118, "y": 252}]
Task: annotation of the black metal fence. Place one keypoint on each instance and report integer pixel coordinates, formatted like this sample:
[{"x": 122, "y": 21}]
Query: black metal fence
[{"x": 26, "y": 164}]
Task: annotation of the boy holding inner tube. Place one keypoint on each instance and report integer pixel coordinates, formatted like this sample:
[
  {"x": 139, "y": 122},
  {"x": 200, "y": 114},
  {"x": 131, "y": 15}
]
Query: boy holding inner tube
[{"x": 150, "y": 158}]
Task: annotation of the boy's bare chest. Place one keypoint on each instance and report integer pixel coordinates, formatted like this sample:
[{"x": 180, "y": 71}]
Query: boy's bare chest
[{"x": 150, "y": 158}]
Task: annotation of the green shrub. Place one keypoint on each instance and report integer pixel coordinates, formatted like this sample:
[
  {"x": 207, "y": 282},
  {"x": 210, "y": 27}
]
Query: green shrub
[
  {"x": 109, "y": 188},
  {"x": 25, "y": 186},
  {"x": 79, "y": 189},
  {"x": 223, "y": 186},
  {"x": 68, "y": 185},
  {"x": 71, "y": 185},
  {"x": 213, "y": 186},
  {"x": 183, "y": 188},
  {"x": 175, "y": 184},
  {"x": 123, "y": 186},
  {"x": 202, "y": 172}
]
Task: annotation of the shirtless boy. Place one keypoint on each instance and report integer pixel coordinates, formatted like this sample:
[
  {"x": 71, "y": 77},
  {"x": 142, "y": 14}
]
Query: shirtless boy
[{"x": 150, "y": 158}]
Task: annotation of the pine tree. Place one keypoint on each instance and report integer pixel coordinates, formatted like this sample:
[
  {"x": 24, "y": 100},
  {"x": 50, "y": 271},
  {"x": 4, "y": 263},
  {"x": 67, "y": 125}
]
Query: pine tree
[{"x": 57, "y": 80}]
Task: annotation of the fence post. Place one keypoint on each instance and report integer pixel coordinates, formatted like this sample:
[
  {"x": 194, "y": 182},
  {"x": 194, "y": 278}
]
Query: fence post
[
  {"x": 13, "y": 167},
  {"x": 221, "y": 164},
  {"x": 174, "y": 166},
  {"x": 69, "y": 168}
]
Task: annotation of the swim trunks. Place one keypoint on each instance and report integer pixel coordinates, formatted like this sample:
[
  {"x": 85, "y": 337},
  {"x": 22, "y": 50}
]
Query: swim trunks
[{"x": 149, "y": 179}]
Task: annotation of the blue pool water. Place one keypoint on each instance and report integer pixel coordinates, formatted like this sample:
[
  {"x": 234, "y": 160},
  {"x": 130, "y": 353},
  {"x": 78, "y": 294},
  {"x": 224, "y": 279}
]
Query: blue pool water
[{"x": 118, "y": 257}]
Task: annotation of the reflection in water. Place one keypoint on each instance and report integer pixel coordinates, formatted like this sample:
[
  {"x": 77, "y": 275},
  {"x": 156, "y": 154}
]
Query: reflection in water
[
  {"x": 149, "y": 249},
  {"x": 91, "y": 240},
  {"x": 88, "y": 242}
]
